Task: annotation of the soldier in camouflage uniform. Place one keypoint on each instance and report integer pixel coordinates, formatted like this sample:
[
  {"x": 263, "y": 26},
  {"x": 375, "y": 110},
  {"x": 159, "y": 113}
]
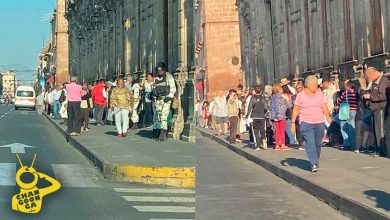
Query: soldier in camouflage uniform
[{"x": 164, "y": 89}]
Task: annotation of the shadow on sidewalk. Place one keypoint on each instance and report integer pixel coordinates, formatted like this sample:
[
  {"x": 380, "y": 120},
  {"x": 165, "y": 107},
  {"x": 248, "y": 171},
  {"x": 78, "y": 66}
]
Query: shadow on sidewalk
[
  {"x": 382, "y": 198},
  {"x": 294, "y": 162},
  {"x": 111, "y": 133},
  {"x": 145, "y": 133}
]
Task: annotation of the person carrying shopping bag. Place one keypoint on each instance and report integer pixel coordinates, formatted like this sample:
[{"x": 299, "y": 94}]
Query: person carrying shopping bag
[{"x": 347, "y": 115}]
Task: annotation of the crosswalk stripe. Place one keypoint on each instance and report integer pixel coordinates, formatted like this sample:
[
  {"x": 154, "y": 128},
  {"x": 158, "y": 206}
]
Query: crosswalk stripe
[
  {"x": 7, "y": 174},
  {"x": 170, "y": 219},
  {"x": 69, "y": 175},
  {"x": 157, "y": 199},
  {"x": 154, "y": 190},
  {"x": 165, "y": 209},
  {"x": 74, "y": 175}
]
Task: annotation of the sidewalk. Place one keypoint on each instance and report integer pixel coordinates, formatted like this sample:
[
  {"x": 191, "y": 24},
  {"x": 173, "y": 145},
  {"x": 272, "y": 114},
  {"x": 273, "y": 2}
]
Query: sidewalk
[
  {"x": 357, "y": 185},
  {"x": 136, "y": 158}
]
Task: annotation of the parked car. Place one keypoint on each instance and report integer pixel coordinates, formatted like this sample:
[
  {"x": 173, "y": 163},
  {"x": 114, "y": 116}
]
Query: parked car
[{"x": 25, "y": 97}]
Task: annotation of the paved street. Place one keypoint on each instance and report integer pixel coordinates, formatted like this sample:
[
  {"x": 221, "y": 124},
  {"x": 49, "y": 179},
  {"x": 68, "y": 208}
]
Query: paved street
[
  {"x": 354, "y": 183},
  {"x": 231, "y": 187},
  {"x": 85, "y": 194}
]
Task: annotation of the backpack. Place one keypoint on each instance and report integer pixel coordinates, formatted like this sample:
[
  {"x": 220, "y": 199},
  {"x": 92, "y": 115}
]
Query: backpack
[{"x": 62, "y": 97}]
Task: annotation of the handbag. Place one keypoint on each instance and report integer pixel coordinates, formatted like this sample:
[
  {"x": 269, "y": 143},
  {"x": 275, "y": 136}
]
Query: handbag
[
  {"x": 110, "y": 114},
  {"x": 84, "y": 104},
  {"x": 62, "y": 97},
  {"x": 344, "y": 109}
]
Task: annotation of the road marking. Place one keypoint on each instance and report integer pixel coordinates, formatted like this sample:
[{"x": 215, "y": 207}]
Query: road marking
[
  {"x": 115, "y": 156},
  {"x": 170, "y": 219},
  {"x": 158, "y": 199},
  {"x": 366, "y": 168},
  {"x": 154, "y": 190},
  {"x": 7, "y": 174},
  {"x": 165, "y": 209},
  {"x": 1, "y": 117},
  {"x": 74, "y": 175},
  {"x": 17, "y": 148}
]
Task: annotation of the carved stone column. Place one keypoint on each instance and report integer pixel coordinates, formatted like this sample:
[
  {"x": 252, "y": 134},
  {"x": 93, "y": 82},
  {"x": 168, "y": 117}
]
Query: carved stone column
[
  {"x": 189, "y": 101},
  {"x": 183, "y": 126},
  {"x": 178, "y": 118}
]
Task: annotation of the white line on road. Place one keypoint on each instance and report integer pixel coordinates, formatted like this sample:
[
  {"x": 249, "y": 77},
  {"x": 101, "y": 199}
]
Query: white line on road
[
  {"x": 154, "y": 190},
  {"x": 158, "y": 199},
  {"x": 7, "y": 174},
  {"x": 366, "y": 168},
  {"x": 1, "y": 117},
  {"x": 170, "y": 219},
  {"x": 74, "y": 175},
  {"x": 165, "y": 209}
]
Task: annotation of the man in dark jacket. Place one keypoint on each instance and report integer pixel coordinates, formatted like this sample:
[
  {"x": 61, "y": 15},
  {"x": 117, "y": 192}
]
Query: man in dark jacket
[
  {"x": 256, "y": 111},
  {"x": 378, "y": 104}
]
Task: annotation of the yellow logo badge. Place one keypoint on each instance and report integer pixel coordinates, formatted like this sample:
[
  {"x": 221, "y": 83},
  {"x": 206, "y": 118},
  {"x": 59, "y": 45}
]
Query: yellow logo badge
[{"x": 29, "y": 199}]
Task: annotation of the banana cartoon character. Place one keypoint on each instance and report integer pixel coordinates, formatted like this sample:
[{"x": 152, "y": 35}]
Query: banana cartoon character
[{"x": 29, "y": 199}]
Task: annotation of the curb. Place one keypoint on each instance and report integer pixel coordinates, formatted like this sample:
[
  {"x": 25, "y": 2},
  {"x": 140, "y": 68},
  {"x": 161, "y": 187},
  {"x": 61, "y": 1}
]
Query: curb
[
  {"x": 151, "y": 175},
  {"x": 347, "y": 206}
]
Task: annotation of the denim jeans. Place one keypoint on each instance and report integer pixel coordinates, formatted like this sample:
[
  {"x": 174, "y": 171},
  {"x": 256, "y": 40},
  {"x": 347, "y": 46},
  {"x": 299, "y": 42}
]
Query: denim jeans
[
  {"x": 121, "y": 120},
  {"x": 99, "y": 111},
  {"x": 312, "y": 136},
  {"x": 56, "y": 109},
  {"x": 290, "y": 135},
  {"x": 348, "y": 130}
]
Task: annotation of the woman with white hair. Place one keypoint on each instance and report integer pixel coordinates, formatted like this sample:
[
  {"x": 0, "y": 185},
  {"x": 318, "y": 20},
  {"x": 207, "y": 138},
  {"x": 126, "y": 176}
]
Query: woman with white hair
[{"x": 311, "y": 106}]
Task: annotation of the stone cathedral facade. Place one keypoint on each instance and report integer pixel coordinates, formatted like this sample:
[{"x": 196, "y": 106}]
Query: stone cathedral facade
[
  {"x": 299, "y": 37},
  {"x": 111, "y": 38}
]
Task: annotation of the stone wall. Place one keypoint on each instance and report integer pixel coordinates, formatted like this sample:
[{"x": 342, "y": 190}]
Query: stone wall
[
  {"x": 218, "y": 44},
  {"x": 61, "y": 44},
  {"x": 282, "y": 37}
]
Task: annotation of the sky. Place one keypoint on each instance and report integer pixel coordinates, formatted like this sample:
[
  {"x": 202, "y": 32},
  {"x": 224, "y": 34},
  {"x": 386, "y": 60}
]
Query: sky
[{"x": 22, "y": 32}]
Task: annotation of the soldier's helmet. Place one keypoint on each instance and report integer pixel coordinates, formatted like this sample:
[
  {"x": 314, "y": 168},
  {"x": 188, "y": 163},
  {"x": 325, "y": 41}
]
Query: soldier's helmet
[{"x": 161, "y": 66}]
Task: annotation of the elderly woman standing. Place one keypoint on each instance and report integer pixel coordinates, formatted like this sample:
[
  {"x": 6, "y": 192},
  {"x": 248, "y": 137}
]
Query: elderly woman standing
[
  {"x": 279, "y": 106},
  {"x": 120, "y": 101},
  {"x": 311, "y": 106}
]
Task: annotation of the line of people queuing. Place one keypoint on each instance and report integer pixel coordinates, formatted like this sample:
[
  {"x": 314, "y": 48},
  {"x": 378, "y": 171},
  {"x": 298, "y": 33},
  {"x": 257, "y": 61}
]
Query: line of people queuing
[
  {"x": 122, "y": 103},
  {"x": 307, "y": 116}
]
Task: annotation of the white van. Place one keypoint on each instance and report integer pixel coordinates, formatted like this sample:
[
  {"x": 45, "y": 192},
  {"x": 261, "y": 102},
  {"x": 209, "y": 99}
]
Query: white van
[{"x": 25, "y": 97}]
